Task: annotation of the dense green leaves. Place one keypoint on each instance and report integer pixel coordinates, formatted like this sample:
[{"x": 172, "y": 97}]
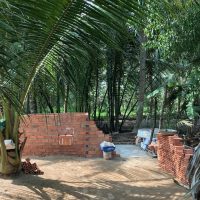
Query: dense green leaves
[{"x": 50, "y": 32}]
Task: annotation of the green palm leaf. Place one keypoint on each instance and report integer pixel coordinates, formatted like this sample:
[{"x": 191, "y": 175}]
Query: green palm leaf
[{"x": 52, "y": 29}]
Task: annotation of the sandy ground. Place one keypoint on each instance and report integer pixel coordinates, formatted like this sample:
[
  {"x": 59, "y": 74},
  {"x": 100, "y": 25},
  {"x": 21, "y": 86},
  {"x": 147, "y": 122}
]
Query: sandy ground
[{"x": 80, "y": 178}]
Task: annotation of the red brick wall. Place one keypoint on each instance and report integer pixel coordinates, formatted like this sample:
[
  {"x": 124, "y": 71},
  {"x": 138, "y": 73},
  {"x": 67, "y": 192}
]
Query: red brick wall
[
  {"x": 65, "y": 133},
  {"x": 172, "y": 156}
]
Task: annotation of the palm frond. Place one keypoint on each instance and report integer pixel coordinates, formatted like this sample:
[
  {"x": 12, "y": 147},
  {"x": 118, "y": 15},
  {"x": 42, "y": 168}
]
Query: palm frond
[{"x": 63, "y": 28}]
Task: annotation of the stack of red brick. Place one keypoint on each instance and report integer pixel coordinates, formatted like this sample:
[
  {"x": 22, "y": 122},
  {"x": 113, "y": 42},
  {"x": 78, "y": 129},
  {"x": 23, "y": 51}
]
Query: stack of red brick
[
  {"x": 173, "y": 157},
  {"x": 66, "y": 133},
  {"x": 153, "y": 147}
]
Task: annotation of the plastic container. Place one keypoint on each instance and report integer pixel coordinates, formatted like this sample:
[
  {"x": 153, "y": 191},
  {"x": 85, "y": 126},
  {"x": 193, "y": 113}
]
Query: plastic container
[
  {"x": 108, "y": 149},
  {"x": 107, "y": 155},
  {"x": 107, "y": 146}
]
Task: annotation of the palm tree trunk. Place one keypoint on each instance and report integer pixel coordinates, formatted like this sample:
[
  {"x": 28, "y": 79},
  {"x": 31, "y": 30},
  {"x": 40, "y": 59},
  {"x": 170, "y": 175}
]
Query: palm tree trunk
[
  {"x": 101, "y": 105},
  {"x": 66, "y": 98},
  {"x": 127, "y": 107},
  {"x": 110, "y": 89},
  {"x": 33, "y": 103},
  {"x": 163, "y": 109},
  {"x": 47, "y": 99},
  {"x": 151, "y": 103},
  {"x": 117, "y": 86},
  {"x": 4, "y": 157},
  {"x": 96, "y": 92},
  {"x": 9, "y": 164},
  {"x": 142, "y": 82},
  {"x": 58, "y": 94},
  {"x": 155, "y": 118},
  {"x": 28, "y": 104}
]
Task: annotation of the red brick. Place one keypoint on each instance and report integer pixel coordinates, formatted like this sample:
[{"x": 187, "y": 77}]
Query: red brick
[
  {"x": 172, "y": 156},
  {"x": 43, "y": 135},
  {"x": 188, "y": 151}
]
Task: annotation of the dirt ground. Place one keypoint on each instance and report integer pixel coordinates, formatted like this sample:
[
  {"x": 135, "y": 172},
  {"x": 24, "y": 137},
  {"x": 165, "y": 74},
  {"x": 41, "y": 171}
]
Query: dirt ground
[{"x": 79, "y": 178}]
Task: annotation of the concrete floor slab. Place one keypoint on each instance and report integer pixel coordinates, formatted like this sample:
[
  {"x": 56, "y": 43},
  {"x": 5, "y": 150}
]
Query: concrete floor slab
[{"x": 130, "y": 151}]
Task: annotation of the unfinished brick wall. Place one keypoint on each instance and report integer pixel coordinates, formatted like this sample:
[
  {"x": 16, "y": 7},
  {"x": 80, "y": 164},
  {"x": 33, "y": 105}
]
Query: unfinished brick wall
[
  {"x": 173, "y": 157},
  {"x": 65, "y": 133}
]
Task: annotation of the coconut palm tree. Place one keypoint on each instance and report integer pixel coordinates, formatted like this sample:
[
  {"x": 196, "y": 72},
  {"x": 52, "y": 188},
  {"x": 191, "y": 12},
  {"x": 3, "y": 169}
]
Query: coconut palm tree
[{"x": 38, "y": 35}]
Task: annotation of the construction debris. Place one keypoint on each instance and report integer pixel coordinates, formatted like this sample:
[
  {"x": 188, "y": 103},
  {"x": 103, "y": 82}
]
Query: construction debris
[{"x": 29, "y": 168}]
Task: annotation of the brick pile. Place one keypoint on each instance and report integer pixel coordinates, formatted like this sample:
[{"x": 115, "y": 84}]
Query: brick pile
[
  {"x": 153, "y": 147},
  {"x": 173, "y": 157},
  {"x": 66, "y": 133}
]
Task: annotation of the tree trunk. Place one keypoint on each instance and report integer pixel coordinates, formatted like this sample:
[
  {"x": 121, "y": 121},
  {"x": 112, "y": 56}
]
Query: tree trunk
[
  {"x": 155, "y": 118},
  {"x": 96, "y": 92},
  {"x": 9, "y": 163},
  {"x": 142, "y": 83},
  {"x": 28, "y": 104},
  {"x": 117, "y": 86},
  {"x": 151, "y": 103},
  {"x": 47, "y": 99},
  {"x": 66, "y": 98},
  {"x": 33, "y": 103},
  {"x": 58, "y": 95},
  {"x": 101, "y": 105},
  {"x": 127, "y": 107},
  {"x": 162, "y": 109},
  {"x": 110, "y": 89}
]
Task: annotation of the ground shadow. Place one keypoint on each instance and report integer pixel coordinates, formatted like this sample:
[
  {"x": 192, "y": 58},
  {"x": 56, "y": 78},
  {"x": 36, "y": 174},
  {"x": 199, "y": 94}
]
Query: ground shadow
[{"x": 47, "y": 189}]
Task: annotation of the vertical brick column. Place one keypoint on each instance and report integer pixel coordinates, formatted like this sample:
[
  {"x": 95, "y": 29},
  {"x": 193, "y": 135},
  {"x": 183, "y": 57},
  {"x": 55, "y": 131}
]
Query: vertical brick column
[
  {"x": 173, "y": 157},
  {"x": 164, "y": 152}
]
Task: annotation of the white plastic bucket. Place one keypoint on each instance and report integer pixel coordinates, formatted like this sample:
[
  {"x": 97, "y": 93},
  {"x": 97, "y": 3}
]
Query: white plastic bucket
[{"x": 107, "y": 155}]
